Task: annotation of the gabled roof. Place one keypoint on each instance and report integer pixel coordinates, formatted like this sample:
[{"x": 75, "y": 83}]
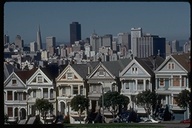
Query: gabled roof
[
  {"x": 115, "y": 67},
  {"x": 183, "y": 60},
  {"x": 8, "y": 69},
  {"x": 81, "y": 69},
  {"x": 25, "y": 75},
  {"x": 146, "y": 64}
]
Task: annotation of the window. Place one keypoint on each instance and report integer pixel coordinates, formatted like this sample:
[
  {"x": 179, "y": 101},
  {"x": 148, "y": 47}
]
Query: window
[
  {"x": 171, "y": 65},
  {"x": 64, "y": 90},
  {"x": 134, "y": 70},
  {"x": 34, "y": 93},
  {"x": 9, "y": 95},
  {"x": 175, "y": 99},
  {"x": 176, "y": 81},
  {"x": 16, "y": 112},
  {"x": 51, "y": 93},
  {"x": 45, "y": 92},
  {"x": 113, "y": 87},
  {"x": 183, "y": 81},
  {"x": 20, "y": 95},
  {"x": 140, "y": 85},
  {"x": 101, "y": 73},
  {"x": 75, "y": 89},
  {"x": 126, "y": 86},
  {"x": 94, "y": 88},
  {"x": 15, "y": 96},
  {"x": 24, "y": 96},
  {"x": 161, "y": 82},
  {"x": 81, "y": 90},
  {"x": 69, "y": 76},
  {"x": 10, "y": 111},
  {"x": 14, "y": 82},
  {"x": 106, "y": 89},
  {"x": 39, "y": 79}
]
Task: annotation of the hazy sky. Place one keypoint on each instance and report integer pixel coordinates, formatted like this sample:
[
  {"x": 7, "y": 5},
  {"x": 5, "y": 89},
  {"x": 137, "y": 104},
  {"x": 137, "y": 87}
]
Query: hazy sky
[{"x": 166, "y": 19}]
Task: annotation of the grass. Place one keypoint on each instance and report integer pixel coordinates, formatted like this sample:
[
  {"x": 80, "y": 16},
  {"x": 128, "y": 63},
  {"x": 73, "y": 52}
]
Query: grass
[{"x": 116, "y": 125}]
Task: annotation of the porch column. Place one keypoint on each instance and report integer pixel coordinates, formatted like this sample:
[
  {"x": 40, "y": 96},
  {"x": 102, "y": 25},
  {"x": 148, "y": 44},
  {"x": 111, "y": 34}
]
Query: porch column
[
  {"x": 136, "y": 82},
  {"x": 122, "y": 88},
  {"x": 155, "y": 84},
  {"x": 144, "y": 84},
  {"x": 90, "y": 106},
  {"x": 180, "y": 80},
  {"x": 49, "y": 89}
]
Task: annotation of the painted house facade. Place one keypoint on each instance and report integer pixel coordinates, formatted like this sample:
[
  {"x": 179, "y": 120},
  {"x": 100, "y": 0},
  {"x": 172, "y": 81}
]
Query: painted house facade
[
  {"x": 104, "y": 77},
  {"x": 40, "y": 85},
  {"x": 71, "y": 82},
  {"x": 172, "y": 76},
  {"x": 16, "y": 95},
  {"x": 136, "y": 77}
]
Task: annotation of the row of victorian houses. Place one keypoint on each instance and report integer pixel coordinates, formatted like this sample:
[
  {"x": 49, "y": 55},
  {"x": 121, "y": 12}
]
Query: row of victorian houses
[{"x": 128, "y": 76}]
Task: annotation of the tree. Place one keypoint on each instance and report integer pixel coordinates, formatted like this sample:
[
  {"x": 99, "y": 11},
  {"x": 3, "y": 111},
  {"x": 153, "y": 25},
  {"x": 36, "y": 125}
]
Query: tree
[
  {"x": 183, "y": 99},
  {"x": 79, "y": 103},
  {"x": 43, "y": 106},
  {"x": 113, "y": 101},
  {"x": 147, "y": 99}
]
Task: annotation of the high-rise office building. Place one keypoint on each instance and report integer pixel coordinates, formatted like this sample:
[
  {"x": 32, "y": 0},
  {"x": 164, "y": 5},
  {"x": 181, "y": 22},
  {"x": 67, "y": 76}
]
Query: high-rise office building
[
  {"x": 95, "y": 42},
  {"x": 6, "y": 39},
  {"x": 107, "y": 40},
  {"x": 39, "y": 41},
  {"x": 33, "y": 46},
  {"x": 75, "y": 32},
  {"x": 174, "y": 46},
  {"x": 50, "y": 42},
  {"x": 124, "y": 39},
  {"x": 135, "y": 33},
  {"x": 149, "y": 45},
  {"x": 19, "y": 42}
]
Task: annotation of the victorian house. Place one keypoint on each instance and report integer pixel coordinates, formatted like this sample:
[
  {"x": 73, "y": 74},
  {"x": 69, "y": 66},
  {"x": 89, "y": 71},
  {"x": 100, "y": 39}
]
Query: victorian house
[
  {"x": 41, "y": 84},
  {"x": 71, "y": 82},
  {"x": 172, "y": 76},
  {"x": 104, "y": 77},
  {"x": 16, "y": 95},
  {"x": 138, "y": 76}
]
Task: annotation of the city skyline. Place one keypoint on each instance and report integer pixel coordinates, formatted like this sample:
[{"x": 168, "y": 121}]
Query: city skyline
[{"x": 166, "y": 19}]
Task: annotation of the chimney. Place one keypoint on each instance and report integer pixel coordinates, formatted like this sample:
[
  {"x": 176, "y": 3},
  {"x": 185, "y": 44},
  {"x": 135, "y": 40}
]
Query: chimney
[
  {"x": 88, "y": 70},
  {"x": 154, "y": 64},
  {"x": 158, "y": 53}
]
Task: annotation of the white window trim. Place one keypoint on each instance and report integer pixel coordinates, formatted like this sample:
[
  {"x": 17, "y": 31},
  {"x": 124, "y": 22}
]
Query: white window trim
[
  {"x": 171, "y": 63},
  {"x": 71, "y": 77},
  {"x": 103, "y": 73},
  {"x": 134, "y": 70},
  {"x": 12, "y": 82},
  {"x": 38, "y": 79}
]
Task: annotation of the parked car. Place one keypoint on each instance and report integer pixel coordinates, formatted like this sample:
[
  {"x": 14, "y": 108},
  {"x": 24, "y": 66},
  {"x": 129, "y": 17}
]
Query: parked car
[{"x": 186, "y": 121}]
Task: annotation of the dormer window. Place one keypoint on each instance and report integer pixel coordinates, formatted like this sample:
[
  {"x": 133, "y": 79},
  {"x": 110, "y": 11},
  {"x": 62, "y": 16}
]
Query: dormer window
[{"x": 14, "y": 82}]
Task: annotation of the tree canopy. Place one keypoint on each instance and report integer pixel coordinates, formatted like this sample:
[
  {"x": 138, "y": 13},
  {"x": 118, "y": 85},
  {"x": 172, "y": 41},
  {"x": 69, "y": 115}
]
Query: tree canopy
[
  {"x": 113, "y": 100},
  {"x": 147, "y": 99},
  {"x": 79, "y": 102},
  {"x": 183, "y": 98},
  {"x": 43, "y": 106}
]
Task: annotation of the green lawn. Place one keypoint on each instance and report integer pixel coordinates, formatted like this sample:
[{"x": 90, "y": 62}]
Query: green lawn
[{"x": 116, "y": 125}]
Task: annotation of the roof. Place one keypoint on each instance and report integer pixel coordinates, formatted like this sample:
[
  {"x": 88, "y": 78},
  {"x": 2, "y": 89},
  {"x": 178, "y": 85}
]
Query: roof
[
  {"x": 25, "y": 75},
  {"x": 81, "y": 69},
  {"x": 8, "y": 69},
  {"x": 116, "y": 66},
  {"x": 183, "y": 60}
]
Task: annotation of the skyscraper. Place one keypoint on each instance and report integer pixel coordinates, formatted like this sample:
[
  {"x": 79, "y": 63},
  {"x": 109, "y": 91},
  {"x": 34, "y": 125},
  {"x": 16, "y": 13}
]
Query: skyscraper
[
  {"x": 75, "y": 32},
  {"x": 149, "y": 45},
  {"x": 33, "y": 46},
  {"x": 135, "y": 33},
  {"x": 50, "y": 42},
  {"x": 19, "y": 42},
  {"x": 6, "y": 39},
  {"x": 39, "y": 42}
]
